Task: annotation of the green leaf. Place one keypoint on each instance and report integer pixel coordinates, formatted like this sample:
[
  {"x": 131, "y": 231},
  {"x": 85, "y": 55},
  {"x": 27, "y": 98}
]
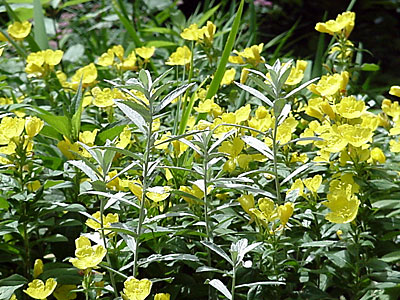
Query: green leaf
[
  {"x": 10, "y": 284},
  {"x": 129, "y": 27},
  {"x": 218, "y": 250},
  {"x": 173, "y": 95},
  {"x": 3, "y": 203},
  {"x": 255, "y": 93},
  {"x": 216, "y": 283},
  {"x": 76, "y": 105},
  {"x": 258, "y": 145},
  {"x": 133, "y": 115},
  {"x": 88, "y": 170},
  {"x": 318, "y": 244},
  {"x": 39, "y": 28},
  {"x": 219, "y": 74},
  {"x": 370, "y": 67},
  {"x": 391, "y": 257},
  {"x": 73, "y": 2}
]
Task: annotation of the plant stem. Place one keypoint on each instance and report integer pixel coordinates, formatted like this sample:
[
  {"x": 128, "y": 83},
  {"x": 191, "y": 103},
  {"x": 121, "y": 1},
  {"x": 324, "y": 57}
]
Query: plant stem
[
  {"x": 144, "y": 190},
  {"x": 275, "y": 151},
  {"x": 103, "y": 236},
  {"x": 233, "y": 283}
]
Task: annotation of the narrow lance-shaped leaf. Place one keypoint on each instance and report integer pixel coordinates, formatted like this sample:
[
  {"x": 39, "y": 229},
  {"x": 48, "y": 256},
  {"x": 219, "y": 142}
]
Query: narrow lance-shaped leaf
[
  {"x": 39, "y": 28},
  {"x": 173, "y": 95},
  {"x": 85, "y": 169},
  {"x": 300, "y": 87},
  {"x": 258, "y": 145},
  {"x": 219, "y": 74},
  {"x": 295, "y": 172},
  {"x": 133, "y": 115},
  {"x": 216, "y": 283},
  {"x": 255, "y": 93},
  {"x": 218, "y": 250},
  {"x": 77, "y": 111}
]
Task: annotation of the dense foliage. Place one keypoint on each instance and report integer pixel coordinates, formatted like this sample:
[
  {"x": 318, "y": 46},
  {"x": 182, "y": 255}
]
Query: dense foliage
[{"x": 147, "y": 155}]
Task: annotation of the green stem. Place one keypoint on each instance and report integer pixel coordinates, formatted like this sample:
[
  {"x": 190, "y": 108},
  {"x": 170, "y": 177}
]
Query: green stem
[
  {"x": 144, "y": 190},
  {"x": 275, "y": 151},
  {"x": 233, "y": 283},
  {"x": 103, "y": 236}
]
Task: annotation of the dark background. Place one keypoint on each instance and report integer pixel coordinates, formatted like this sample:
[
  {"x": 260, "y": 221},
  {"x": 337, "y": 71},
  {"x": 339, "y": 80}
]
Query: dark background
[{"x": 377, "y": 28}]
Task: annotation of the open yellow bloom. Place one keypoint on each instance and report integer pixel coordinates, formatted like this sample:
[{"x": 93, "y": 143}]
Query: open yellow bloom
[
  {"x": 192, "y": 33},
  {"x": 86, "y": 255},
  {"x": 162, "y": 296},
  {"x": 247, "y": 203},
  {"x": 343, "y": 23},
  {"x": 297, "y": 73},
  {"x": 395, "y": 90},
  {"x": 229, "y": 76},
  {"x": 180, "y": 57},
  {"x": 135, "y": 289},
  {"x": 313, "y": 184},
  {"x": 107, "y": 221},
  {"x": 378, "y": 155},
  {"x": 343, "y": 205},
  {"x": 329, "y": 85},
  {"x": 10, "y": 128},
  {"x": 87, "y": 73},
  {"x": 37, "y": 289},
  {"x": 145, "y": 52},
  {"x": 391, "y": 109},
  {"x": 251, "y": 55},
  {"x": 195, "y": 191},
  {"x": 18, "y": 30},
  {"x": 267, "y": 211},
  {"x": 106, "y": 59},
  {"x": 350, "y": 107}
]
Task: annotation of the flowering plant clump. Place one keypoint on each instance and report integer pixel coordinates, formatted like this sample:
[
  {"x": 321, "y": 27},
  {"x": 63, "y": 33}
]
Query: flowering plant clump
[{"x": 145, "y": 154}]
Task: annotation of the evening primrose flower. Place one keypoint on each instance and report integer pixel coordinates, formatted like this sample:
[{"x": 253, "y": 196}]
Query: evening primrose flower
[
  {"x": 285, "y": 211},
  {"x": 33, "y": 125},
  {"x": 313, "y": 184},
  {"x": 37, "y": 268},
  {"x": 107, "y": 221},
  {"x": 88, "y": 74},
  {"x": 192, "y": 33},
  {"x": 267, "y": 211},
  {"x": 329, "y": 85},
  {"x": 344, "y": 23},
  {"x": 343, "y": 205},
  {"x": 251, "y": 55},
  {"x": 106, "y": 59},
  {"x": 86, "y": 255},
  {"x": 247, "y": 203},
  {"x": 194, "y": 191},
  {"x": 37, "y": 289},
  {"x": 350, "y": 107},
  {"x": 18, "y": 30},
  {"x": 10, "y": 128},
  {"x": 395, "y": 90},
  {"x": 229, "y": 77},
  {"x": 378, "y": 155},
  {"x": 135, "y": 289},
  {"x": 391, "y": 109},
  {"x": 297, "y": 73},
  {"x": 145, "y": 52},
  {"x": 162, "y": 296},
  {"x": 180, "y": 57}
]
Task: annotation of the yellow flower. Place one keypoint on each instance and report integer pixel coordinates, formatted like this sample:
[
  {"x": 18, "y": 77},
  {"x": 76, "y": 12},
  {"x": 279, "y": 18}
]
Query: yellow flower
[
  {"x": 391, "y": 109},
  {"x": 135, "y": 289},
  {"x": 297, "y": 157},
  {"x": 33, "y": 126},
  {"x": 106, "y": 59},
  {"x": 297, "y": 185},
  {"x": 343, "y": 205},
  {"x": 350, "y": 107},
  {"x": 285, "y": 130},
  {"x": 53, "y": 58},
  {"x": 356, "y": 135},
  {"x": 107, "y": 221},
  {"x": 18, "y": 30},
  {"x": 86, "y": 255},
  {"x": 229, "y": 76},
  {"x": 118, "y": 50},
  {"x": 343, "y": 23},
  {"x": 395, "y": 90},
  {"x": 157, "y": 193},
  {"x": 180, "y": 57},
  {"x": 162, "y": 296},
  {"x": 247, "y": 203},
  {"x": 313, "y": 184},
  {"x": 88, "y": 137},
  {"x": 37, "y": 289},
  {"x": 329, "y": 85},
  {"x": 87, "y": 73},
  {"x": 285, "y": 211},
  {"x": 251, "y": 55},
  {"x": 10, "y": 128},
  {"x": 297, "y": 73},
  {"x": 192, "y": 33},
  {"x": 377, "y": 155},
  {"x": 267, "y": 211},
  {"x": 37, "y": 268},
  {"x": 63, "y": 292},
  {"x": 194, "y": 191},
  {"x": 145, "y": 52},
  {"x": 124, "y": 138},
  {"x": 394, "y": 146}
]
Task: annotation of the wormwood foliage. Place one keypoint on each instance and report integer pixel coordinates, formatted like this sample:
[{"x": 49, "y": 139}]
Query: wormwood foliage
[{"x": 144, "y": 155}]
